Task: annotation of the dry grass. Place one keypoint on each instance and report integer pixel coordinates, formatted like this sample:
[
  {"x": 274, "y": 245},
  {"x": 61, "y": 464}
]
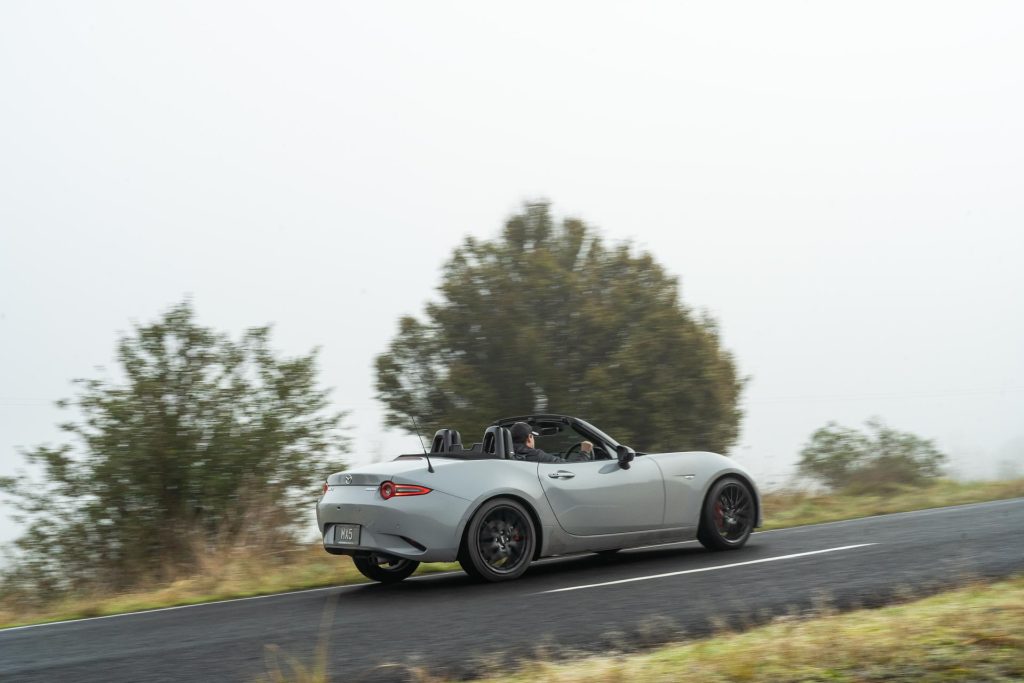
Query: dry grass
[
  {"x": 247, "y": 571},
  {"x": 974, "y": 633},
  {"x": 795, "y": 508},
  {"x": 234, "y": 573}
]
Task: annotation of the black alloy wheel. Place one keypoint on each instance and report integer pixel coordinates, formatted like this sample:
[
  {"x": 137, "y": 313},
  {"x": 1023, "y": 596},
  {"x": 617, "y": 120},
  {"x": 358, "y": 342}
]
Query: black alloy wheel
[
  {"x": 728, "y": 515},
  {"x": 384, "y": 568},
  {"x": 499, "y": 541}
]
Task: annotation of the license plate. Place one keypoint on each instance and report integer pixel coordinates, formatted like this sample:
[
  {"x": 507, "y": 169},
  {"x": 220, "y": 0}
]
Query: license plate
[{"x": 346, "y": 534}]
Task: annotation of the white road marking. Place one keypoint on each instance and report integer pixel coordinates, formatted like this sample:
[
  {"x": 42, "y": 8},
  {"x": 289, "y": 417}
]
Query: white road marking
[
  {"x": 808, "y": 527},
  {"x": 168, "y": 609},
  {"x": 926, "y": 512},
  {"x": 430, "y": 575},
  {"x": 706, "y": 569},
  {"x": 856, "y": 520}
]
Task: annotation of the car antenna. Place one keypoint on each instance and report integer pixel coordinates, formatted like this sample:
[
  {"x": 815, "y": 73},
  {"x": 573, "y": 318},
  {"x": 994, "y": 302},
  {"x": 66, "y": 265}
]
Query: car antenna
[{"x": 430, "y": 468}]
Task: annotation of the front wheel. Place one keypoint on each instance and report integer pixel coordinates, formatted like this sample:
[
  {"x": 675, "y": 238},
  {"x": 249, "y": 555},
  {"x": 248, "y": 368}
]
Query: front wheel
[
  {"x": 728, "y": 515},
  {"x": 384, "y": 568},
  {"x": 499, "y": 542}
]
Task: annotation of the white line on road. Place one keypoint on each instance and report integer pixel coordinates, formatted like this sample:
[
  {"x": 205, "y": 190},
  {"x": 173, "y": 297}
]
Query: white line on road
[
  {"x": 705, "y": 569},
  {"x": 798, "y": 529},
  {"x": 880, "y": 517},
  {"x": 178, "y": 607},
  {"x": 886, "y": 516}
]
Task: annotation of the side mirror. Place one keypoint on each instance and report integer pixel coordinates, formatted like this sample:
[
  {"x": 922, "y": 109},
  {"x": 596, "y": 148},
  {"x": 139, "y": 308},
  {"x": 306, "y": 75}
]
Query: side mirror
[{"x": 626, "y": 455}]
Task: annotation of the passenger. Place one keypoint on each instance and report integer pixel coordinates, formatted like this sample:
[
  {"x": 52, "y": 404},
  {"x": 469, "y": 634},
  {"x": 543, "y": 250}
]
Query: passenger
[{"x": 523, "y": 441}]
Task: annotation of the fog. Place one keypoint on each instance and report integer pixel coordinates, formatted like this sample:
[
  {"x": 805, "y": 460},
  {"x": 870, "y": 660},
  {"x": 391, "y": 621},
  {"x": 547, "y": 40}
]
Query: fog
[{"x": 840, "y": 186}]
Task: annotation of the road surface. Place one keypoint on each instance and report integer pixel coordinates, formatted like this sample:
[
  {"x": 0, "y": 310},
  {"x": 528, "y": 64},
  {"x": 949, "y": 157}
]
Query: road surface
[{"x": 446, "y": 623}]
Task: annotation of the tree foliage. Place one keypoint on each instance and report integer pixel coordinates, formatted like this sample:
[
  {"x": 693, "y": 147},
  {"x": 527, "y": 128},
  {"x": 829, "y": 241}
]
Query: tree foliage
[
  {"x": 872, "y": 459},
  {"x": 549, "y": 318},
  {"x": 199, "y": 430}
]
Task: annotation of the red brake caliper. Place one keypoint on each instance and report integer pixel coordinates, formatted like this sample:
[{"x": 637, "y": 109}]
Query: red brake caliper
[{"x": 719, "y": 515}]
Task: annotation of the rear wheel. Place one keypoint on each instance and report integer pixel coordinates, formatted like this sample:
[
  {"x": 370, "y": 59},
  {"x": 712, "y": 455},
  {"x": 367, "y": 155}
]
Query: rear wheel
[
  {"x": 499, "y": 542},
  {"x": 728, "y": 515},
  {"x": 385, "y": 568}
]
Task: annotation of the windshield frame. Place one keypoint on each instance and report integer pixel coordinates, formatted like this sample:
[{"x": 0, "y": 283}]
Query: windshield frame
[{"x": 582, "y": 427}]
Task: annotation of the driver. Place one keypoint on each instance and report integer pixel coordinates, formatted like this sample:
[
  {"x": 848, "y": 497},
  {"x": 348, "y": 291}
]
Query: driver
[{"x": 523, "y": 440}]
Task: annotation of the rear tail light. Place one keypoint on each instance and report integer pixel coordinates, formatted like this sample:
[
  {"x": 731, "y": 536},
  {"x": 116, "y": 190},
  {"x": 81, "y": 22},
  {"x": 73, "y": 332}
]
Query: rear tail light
[
  {"x": 325, "y": 489},
  {"x": 390, "y": 489}
]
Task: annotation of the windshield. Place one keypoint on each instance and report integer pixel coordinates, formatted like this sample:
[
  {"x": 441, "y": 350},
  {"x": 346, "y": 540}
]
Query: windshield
[
  {"x": 556, "y": 438},
  {"x": 557, "y": 435},
  {"x": 597, "y": 433}
]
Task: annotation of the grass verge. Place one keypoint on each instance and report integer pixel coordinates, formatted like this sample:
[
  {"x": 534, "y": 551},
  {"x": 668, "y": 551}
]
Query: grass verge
[
  {"x": 237, "y": 573},
  {"x": 246, "y": 572},
  {"x": 787, "y": 508},
  {"x": 974, "y": 633}
]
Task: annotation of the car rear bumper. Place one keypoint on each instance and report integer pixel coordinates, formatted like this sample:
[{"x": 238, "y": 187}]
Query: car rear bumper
[{"x": 423, "y": 528}]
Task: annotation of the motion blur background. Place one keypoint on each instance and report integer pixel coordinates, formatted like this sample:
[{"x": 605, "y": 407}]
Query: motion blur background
[{"x": 839, "y": 186}]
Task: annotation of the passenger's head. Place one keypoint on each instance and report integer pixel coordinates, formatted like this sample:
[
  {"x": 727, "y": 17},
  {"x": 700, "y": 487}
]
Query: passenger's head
[{"x": 523, "y": 433}]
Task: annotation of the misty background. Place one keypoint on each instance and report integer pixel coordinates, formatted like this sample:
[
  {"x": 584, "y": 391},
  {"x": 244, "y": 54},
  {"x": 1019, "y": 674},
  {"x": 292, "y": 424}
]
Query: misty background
[{"x": 839, "y": 186}]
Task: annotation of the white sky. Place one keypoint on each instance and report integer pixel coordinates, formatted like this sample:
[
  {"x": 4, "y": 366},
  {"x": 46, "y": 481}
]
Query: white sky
[{"x": 840, "y": 185}]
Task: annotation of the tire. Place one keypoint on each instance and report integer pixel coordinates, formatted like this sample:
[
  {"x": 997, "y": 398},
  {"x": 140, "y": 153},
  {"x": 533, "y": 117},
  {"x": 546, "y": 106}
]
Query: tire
[
  {"x": 499, "y": 541},
  {"x": 728, "y": 515},
  {"x": 467, "y": 564},
  {"x": 384, "y": 568}
]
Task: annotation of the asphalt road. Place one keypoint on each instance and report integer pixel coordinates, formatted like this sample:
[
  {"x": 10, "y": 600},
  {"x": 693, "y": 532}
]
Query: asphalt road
[{"x": 446, "y": 623}]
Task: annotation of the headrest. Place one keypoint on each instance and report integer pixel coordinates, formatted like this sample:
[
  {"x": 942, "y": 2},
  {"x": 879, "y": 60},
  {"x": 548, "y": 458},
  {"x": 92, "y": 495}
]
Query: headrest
[
  {"x": 443, "y": 440},
  {"x": 498, "y": 441}
]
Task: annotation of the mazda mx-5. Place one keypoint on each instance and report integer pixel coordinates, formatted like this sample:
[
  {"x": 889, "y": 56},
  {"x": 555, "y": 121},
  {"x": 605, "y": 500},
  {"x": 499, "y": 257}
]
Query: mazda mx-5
[{"x": 496, "y": 512}]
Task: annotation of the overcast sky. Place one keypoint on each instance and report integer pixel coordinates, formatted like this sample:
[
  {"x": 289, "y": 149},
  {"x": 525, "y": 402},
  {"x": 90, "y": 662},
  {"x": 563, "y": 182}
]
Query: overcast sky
[{"x": 840, "y": 185}]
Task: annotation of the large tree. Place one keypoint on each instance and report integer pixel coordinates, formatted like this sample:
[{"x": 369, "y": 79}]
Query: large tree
[
  {"x": 549, "y": 318},
  {"x": 196, "y": 431},
  {"x": 871, "y": 460}
]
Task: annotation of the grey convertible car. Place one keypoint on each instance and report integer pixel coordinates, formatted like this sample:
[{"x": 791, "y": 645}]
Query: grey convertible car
[{"x": 495, "y": 513}]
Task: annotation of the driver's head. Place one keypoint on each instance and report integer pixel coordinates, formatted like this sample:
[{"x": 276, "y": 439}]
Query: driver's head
[{"x": 523, "y": 433}]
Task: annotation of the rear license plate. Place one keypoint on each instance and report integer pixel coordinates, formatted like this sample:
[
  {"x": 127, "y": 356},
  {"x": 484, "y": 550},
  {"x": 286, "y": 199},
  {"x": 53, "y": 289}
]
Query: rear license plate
[{"x": 346, "y": 534}]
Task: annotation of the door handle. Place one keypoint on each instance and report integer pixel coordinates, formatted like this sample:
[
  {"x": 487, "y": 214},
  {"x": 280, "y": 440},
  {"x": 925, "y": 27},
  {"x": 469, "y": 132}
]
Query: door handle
[{"x": 561, "y": 474}]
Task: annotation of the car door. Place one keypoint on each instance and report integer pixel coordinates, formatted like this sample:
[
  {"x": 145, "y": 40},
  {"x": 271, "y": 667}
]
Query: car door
[{"x": 591, "y": 498}]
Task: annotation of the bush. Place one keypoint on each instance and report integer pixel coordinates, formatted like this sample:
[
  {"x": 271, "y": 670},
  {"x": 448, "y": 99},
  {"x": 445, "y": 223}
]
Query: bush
[{"x": 877, "y": 459}]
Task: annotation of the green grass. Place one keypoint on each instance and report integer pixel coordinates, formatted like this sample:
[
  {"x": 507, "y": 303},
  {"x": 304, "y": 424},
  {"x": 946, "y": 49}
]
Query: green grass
[{"x": 245, "y": 572}]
